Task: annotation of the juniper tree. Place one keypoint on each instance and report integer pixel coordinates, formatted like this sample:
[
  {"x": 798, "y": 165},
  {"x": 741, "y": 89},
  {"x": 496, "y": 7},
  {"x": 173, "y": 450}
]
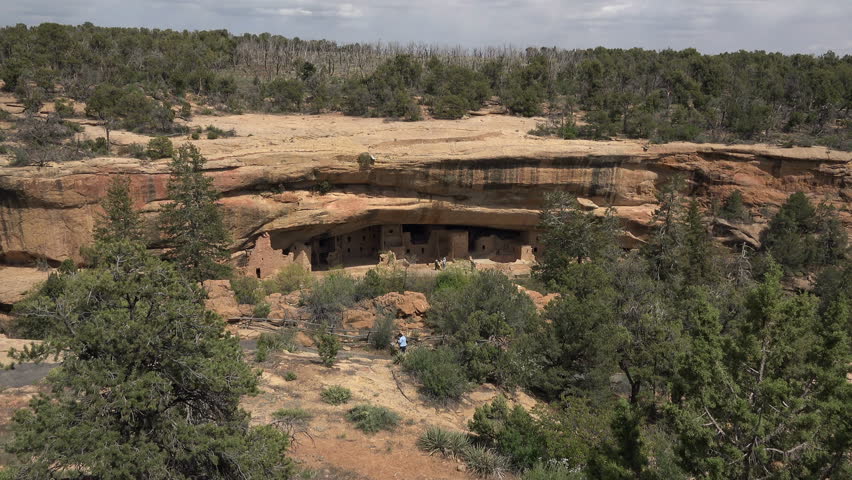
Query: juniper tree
[
  {"x": 105, "y": 104},
  {"x": 149, "y": 383},
  {"x": 733, "y": 208},
  {"x": 192, "y": 223},
  {"x": 770, "y": 397},
  {"x": 120, "y": 221},
  {"x": 663, "y": 247},
  {"x": 697, "y": 259},
  {"x": 572, "y": 235}
]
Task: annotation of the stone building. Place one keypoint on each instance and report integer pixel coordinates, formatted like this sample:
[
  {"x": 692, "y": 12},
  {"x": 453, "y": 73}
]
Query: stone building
[
  {"x": 264, "y": 261},
  {"x": 416, "y": 243}
]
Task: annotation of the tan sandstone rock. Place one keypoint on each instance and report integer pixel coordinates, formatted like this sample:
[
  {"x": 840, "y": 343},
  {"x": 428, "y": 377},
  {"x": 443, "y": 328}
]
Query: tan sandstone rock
[
  {"x": 221, "y": 299},
  {"x": 403, "y": 304},
  {"x": 541, "y": 301},
  {"x": 358, "y": 319},
  {"x": 483, "y": 171},
  {"x": 304, "y": 339}
]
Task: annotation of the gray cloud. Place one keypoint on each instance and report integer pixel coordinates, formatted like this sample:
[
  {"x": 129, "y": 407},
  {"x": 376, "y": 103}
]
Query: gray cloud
[{"x": 807, "y": 26}]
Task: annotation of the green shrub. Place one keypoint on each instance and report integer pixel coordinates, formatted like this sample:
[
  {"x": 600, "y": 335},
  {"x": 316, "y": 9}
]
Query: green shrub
[
  {"x": 331, "y": 295},
  {"x": 97, "y": 146},
  {"x": 135, "y": 150},
  {"x": 64, "y": 108},
  {"x": 552, "y": 471},
  {"x": 195, "y": 135},
  {"x": 284, "y": 95},
  {"x": 449, "y": 107},
  {"x": 444, "y": 442},
  {"x": 734, "y": 209},
  {"x": 185, "y": 110},
  {"x": 515, "y": 433},
  {"x": 380, "y": 281},
  {"x": 453, "y": 278},
  {"x": 261, "y": 310},
  {"x": 8, "y": 473},
  {"x": 290, "y": 376},
  {"x": 328, "y": 346},
  {"x": 440, "y": 372},
  {"x": 292, "y": 420},
  {"x": 371, "y": 419},
  {"x": 335, "y": 395},
  {"x": 289, "y": 279},
  {"x": 489, "y": 292},
  {"x": 160, "y": 147},
  {"x": 485, "y": 462},
  {"x": 275, "y": 342},
  {"x": 412, "y": 112},
  {"x": 215, "y": 132},
  {"x": 420, "y": 282},
  {"x": 324, "y": 187},
  {"x": 292, "y": 413},
  {"x": 247, "y": 290},
  {"x": 380, "y": 337},
  {"x": 365, "y": 160}
]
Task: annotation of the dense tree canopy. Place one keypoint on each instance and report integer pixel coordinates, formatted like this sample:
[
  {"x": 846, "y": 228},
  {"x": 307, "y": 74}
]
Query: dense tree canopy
[
  {"x": 661, "y": 95},
  {"x": 149, "y": 383}
]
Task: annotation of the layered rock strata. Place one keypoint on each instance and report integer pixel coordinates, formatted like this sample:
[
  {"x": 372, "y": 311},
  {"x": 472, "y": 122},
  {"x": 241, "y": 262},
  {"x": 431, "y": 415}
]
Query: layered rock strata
[{"x": 481, "y": 172}]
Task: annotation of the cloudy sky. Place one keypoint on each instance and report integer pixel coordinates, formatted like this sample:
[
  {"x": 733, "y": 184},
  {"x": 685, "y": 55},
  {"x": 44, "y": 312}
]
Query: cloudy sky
[{"x": 806, "y": 26}]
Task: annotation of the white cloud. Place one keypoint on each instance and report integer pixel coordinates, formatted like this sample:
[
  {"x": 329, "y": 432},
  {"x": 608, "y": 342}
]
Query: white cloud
[
  {"x": 293, "y": 12},
  {"x": 613, "y": 10},
  {"x": 347, "y": 10}
]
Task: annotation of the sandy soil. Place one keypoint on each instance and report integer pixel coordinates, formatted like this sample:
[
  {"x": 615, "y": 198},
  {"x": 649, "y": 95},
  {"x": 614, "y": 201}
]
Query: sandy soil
[{"x": 334, "y": 444}]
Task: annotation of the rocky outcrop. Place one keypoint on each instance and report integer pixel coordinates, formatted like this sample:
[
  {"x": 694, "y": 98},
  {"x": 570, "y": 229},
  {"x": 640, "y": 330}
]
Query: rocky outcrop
[
  {"x": 17, "y": 282},
  {"x": 221, "y": 299},
  {"x": 403, "y": 304},
  {"x": 484, "y": 171},
  {"x": 539, "y": 300}
]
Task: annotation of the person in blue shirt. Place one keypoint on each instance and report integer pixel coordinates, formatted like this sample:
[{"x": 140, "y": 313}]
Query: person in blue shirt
[{"x": 402, "y": 342}]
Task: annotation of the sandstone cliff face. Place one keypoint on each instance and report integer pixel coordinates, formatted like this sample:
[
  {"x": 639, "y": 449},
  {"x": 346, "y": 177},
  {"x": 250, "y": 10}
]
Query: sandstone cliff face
[{"x": 484, "y": 171}]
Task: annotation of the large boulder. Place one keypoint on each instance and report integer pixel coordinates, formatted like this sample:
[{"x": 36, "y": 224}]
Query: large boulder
[
  {"x": 358, "y": 319},
  {"x": 281, "y": 308},
  {"x": 538, "y": 299},
  {"x": 403, "y": 304},
  {"x": 221, "y": 299}
]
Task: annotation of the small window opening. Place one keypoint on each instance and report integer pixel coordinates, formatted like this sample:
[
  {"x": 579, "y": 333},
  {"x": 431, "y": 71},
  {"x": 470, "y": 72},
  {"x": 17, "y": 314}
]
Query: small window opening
[{"x": 257, "y": 272}]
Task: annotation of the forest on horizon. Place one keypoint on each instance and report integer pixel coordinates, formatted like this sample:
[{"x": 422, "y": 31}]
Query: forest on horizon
[{"x": 142, "y": 80}]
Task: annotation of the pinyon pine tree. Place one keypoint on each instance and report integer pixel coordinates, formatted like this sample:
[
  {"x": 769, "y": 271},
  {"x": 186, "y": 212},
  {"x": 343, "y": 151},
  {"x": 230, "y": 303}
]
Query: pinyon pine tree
[
  {"x": 191, "y": 223},
  {"x": 119, "y": 221},
  {"x": 149, "y": 383}
]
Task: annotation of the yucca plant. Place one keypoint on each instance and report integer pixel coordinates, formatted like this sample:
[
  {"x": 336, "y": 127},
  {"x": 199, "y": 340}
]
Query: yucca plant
[
  {"x": 485, "y": 462},
  {"x": 444, "y": 442}
]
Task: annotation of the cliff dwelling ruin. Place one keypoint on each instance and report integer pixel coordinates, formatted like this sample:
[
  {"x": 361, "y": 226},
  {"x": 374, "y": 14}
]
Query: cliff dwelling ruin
[{"x": 414, "y": 242}]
